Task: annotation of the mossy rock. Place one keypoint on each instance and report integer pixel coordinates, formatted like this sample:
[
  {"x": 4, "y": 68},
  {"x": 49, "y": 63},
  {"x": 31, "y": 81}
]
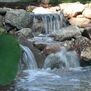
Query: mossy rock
[{"x": 10, "y": 53}]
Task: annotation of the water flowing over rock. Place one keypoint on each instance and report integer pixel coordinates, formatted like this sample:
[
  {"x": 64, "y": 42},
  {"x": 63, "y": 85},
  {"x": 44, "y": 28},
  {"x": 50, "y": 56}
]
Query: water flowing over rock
[
  {"x": 48, "y": 23},
  {"x": 62, "y": 59},
  {"x": 29, "y": 58}
]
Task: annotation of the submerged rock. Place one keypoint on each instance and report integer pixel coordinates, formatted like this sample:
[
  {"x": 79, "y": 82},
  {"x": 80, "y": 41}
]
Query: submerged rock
[{"x": 19, "y": 19}]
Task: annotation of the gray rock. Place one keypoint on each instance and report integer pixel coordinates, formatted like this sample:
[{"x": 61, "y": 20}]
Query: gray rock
[
  {"x": 67, "y": 33},
  {"x": 4, "y": 10},
  {"x": 19, "y": 18},
  {"x": 25, "y": 32}
]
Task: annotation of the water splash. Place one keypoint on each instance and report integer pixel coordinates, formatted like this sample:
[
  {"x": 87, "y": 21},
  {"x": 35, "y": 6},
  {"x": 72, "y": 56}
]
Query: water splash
[
  {"x": 62, "y": 59},
  {"x": 29, "y": 58}
]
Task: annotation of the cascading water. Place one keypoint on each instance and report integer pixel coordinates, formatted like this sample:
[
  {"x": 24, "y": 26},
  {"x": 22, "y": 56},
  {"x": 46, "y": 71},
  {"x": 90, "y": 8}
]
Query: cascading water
[
  {"x": 62, "y": 59},
  {"x": 50, "y": 22},
  {"x": 34, "y": 79},
  {"x": 77, "y": 79},
  {"x": 28, "y": 57}
]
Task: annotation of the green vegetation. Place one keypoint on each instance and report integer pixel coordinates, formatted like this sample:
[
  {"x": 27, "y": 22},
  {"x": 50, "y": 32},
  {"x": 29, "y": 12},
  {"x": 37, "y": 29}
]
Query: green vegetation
[
  {"x": 31, "y": 1},
  {"x": 67, "y": 1},
  {"x": 57, "y": 1},
  {"x": 10, "y": 53}
]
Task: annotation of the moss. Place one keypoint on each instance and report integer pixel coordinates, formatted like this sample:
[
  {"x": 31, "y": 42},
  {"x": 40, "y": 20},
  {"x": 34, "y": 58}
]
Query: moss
[{"x": 10, "y": 53}]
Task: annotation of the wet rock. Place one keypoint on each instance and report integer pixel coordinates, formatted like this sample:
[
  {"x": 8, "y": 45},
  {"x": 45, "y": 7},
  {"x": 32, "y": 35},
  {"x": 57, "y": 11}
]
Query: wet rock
[
  {"x": 79, "y": 44},
  {"x": 79, "y": 21},
  {"x": 25, "y": 32},
  {"x": 72, "y": 9},
  {"x": 86, "y": 54},
  {"x": 55, "y": 47},
  {"x": 87, "y": 30},
  {"x": 87, "y": 13},
  {"x": 19, "y": 18},
  {"x": 38, "y": 26},
  {"x": 67, "y": 33}
]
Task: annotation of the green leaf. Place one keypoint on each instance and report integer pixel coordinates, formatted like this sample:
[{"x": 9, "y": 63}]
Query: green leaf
[{"x": 10, "y": 53}]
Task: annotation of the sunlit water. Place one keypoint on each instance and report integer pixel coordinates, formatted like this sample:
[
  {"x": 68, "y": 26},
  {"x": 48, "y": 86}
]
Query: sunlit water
[{"x": 77, "y": 79}]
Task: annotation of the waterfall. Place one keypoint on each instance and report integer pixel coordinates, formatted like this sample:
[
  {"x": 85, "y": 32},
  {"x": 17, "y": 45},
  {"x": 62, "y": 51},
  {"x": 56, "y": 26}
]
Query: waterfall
[
  {"x": 29, "y": 58},
  {"x": 62, "y": 59},
  {"x": 50, "y": 22}
]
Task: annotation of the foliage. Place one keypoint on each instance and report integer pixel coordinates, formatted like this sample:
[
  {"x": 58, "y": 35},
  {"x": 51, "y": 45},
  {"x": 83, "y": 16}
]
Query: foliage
[
  {"x": 56, "y": 1},
  {"x": 31, "y": 1},
  {"x": 66, "y": 1},
  {"x": 9, "y": 58}
]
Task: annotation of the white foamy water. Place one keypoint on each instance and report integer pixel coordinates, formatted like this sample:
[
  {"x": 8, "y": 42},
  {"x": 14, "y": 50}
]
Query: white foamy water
[{"x": 62, "y": 59}]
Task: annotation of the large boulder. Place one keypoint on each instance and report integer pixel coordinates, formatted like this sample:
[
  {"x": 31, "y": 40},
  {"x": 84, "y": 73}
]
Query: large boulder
[
  {"x": 87, "y": 13},
  {"x": 67, "y": 33},
  {"x": 19, "y": 18},
  {"x": 79, "y": 21},
  {"x": 73, "y": 9}
]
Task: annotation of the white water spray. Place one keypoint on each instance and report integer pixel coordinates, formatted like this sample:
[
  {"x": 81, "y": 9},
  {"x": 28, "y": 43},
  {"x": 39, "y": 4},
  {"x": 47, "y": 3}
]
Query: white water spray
[{"x": 62, "y": 59}]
